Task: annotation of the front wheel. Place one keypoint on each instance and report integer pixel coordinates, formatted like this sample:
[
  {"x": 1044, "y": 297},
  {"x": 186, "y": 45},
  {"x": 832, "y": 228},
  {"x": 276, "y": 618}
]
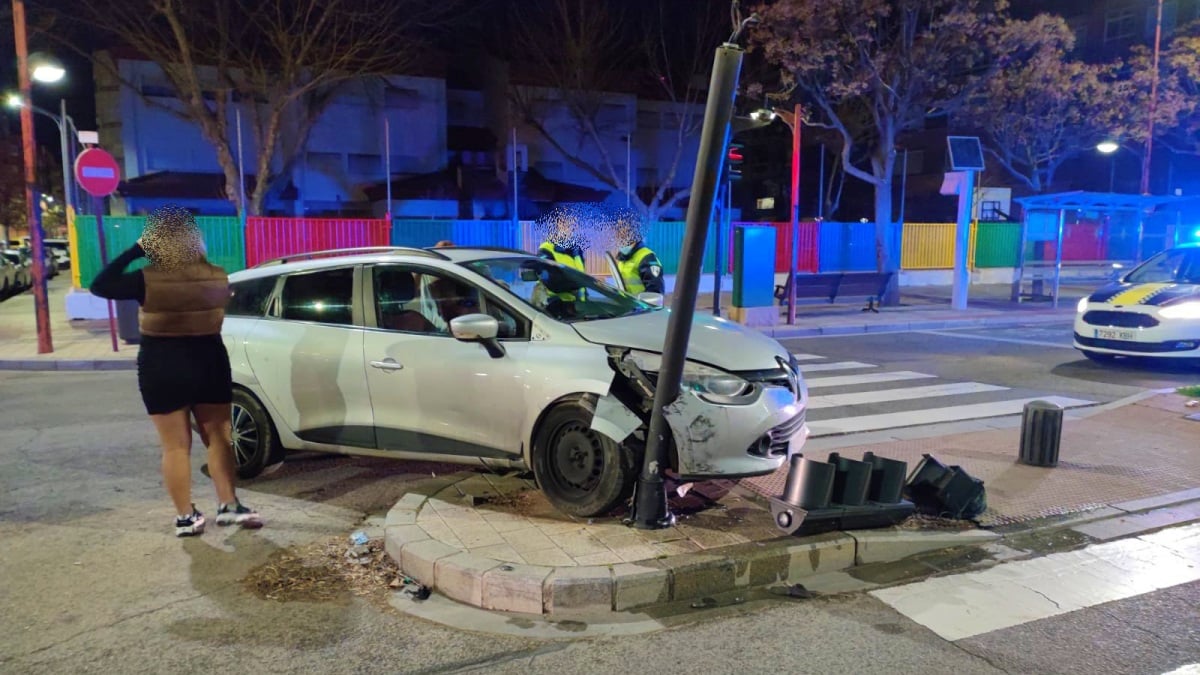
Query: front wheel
[
  {"x": 581, "y": 471},
  {"x": 255, "y": 443}
]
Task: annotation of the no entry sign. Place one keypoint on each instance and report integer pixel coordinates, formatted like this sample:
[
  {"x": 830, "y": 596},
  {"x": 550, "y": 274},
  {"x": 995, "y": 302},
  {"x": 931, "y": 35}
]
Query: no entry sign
[{"x": 97, "y": 172}]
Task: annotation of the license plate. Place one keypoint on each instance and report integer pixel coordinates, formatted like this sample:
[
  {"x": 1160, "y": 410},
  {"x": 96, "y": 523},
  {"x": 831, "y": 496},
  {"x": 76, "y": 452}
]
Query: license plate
[{"x": 1111, "y": 334}]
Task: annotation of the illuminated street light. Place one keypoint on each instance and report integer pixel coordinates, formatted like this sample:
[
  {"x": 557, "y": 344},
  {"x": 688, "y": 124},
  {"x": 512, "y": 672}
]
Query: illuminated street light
[
  {"x": 1108, "y": 147},
  {"x": 13, "y": 100},
  {"x": 46, "y": 68}
]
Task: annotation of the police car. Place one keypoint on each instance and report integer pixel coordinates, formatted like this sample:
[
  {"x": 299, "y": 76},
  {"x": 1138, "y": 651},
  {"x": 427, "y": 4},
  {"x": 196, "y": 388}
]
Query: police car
[{"x": 1153, "y": 311}]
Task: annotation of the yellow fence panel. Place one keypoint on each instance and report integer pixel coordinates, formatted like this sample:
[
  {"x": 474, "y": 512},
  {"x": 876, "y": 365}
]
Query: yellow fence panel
[{"x": 927, "y": 246}]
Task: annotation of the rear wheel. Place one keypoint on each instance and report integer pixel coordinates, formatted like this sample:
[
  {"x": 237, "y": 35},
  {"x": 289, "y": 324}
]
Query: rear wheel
[
  {"x": 1098, "y": 357},
  {"x": 255, "y": 442},
  {"x": 581, "y": 471}
]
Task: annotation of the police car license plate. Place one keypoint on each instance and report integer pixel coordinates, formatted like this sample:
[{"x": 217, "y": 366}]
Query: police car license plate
[{"x": 1111, "y": 334}]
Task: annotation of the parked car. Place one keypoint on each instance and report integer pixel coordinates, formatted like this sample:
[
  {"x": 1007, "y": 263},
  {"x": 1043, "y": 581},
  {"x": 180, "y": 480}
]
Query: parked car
[
  {"x": 24, "y": 270},
  {"x": 494, "y": 358},
  {"x": 8, "y": 277},
  {"x": 59, "y": 251},
  {"x": 1153, "y": 311}
]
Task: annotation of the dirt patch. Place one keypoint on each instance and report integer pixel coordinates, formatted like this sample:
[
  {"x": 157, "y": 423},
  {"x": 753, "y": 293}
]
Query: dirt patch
[
  {"x": 920, "y": 521},
  {"x": 322, "y": 572}
]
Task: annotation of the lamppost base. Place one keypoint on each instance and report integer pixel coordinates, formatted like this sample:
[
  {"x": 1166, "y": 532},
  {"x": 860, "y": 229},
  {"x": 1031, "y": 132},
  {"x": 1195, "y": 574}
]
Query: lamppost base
[{"x": 650, "y": 509}]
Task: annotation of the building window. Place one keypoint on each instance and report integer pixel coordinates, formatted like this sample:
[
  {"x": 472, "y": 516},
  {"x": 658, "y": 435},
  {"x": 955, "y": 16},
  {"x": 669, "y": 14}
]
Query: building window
[
  {"x": 1120, "y": 24},
  {"x": 990, "y": 210},
  {"x": 402, "y": 99},
  {"x": 366, "y": 165}
]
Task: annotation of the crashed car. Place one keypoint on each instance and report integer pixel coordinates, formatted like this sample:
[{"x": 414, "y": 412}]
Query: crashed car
[
  {"x": 1153, "y": 311},
  {"x": 495, "y": 358}
]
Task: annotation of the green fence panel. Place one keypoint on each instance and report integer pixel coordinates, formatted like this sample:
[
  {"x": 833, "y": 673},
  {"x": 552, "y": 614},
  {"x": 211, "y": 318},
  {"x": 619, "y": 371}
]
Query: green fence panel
[
  {"x": 665, "y": 238},
  {"x": 222, "y": 235},
  {"x": 997, "y": 244}
]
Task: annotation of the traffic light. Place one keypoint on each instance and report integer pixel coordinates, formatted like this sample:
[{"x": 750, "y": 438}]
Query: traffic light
[{"x": 736, "y": 159}]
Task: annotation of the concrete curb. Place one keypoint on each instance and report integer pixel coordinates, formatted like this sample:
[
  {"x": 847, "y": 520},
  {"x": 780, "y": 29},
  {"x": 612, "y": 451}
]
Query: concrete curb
[
  {"x": 785, "y": 331},
  {"x": 71, "y": 365},
  {"x": 538, "y": 589}
]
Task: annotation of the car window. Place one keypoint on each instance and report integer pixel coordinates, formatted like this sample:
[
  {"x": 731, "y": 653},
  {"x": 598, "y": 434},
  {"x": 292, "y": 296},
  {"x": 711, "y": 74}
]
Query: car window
[
  {"x": 1180, "y": 266},
  {"x": 421, "y": 301},
  {"x": 250, "y": 297},
  {"x": 322, "y": 297},
  {"x": 561, "y": 292}
]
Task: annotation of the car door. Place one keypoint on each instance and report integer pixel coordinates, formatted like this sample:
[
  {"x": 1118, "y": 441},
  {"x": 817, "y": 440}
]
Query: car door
[
  {"x": 307, "y": 358},
  {"x": 618, "y": 281},
  {"x": 431, "y": 393}
]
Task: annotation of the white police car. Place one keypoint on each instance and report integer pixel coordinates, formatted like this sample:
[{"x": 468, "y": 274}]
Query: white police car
[{"x": 1153, "y": 311}]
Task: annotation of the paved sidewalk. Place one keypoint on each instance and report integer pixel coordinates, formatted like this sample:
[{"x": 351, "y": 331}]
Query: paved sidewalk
[
  {"x": 85, "y": 345},
  {"x": 494, "y": 542},
  {"x": 78, "y": 345}
]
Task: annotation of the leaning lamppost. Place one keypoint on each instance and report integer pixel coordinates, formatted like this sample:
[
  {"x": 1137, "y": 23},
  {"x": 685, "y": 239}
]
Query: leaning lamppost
[
  {"x": 650, "y": 510},
  {"x": 44, "y": 71}
]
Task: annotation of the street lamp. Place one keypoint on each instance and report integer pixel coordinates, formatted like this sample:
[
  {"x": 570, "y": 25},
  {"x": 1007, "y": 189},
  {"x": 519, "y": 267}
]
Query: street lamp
[
  {"x": 1108, "y": 147},
  {"x": 46, "y": 68},
  {"x": 66, "y": 130}
]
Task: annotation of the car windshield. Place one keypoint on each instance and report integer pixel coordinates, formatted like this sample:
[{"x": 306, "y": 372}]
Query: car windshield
[
  {"x": 1178, "y": 266},
  {"x": 558, "y": 291}
]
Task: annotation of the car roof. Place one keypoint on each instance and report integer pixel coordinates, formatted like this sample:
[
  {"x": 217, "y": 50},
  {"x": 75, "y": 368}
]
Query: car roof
[{"x": 303, "y": 262}]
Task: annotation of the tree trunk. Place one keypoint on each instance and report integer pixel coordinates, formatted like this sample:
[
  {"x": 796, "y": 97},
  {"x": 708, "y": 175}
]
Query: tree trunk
[{"x": 887, "y": 235}]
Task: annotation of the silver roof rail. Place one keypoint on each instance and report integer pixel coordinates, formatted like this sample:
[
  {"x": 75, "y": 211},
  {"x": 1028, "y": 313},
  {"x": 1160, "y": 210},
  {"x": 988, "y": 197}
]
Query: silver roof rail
[{"x": 362, "y": 250}]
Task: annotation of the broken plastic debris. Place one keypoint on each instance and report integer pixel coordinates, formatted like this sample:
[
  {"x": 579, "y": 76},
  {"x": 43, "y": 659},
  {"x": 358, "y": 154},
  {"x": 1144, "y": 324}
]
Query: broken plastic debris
[
  {"x": 683, "y": 489},
  {"x": 1192, "y": 404},
  {"x": 359, "y": 538},
  {"x": 797, "y": 591}
]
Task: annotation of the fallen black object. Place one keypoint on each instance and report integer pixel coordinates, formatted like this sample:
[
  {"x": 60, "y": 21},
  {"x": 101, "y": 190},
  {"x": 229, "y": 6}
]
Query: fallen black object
[
  {"x": 842, "y": 494},
  {"x": 946, "y": 491},
  {"x": 421, "y": 592},
  {"x": 797, "y": 591}
]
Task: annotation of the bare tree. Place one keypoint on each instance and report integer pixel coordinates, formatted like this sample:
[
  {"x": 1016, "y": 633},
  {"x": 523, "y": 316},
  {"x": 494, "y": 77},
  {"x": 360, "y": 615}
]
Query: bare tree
[
  {"x": 584, "y": 52},
  {"x": 281, "y": 61}
]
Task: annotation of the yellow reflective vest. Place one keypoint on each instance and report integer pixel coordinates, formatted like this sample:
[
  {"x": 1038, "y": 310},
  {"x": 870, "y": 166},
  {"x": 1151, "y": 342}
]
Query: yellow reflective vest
[{"x": 631, "y": 272}]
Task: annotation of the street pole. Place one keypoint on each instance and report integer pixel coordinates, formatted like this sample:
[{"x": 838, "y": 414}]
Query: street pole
[
  {"x": 821, "y": 201},
  {"x": 962, "y": 241},
  {"x": 726, "y": 187},
  {"x": 41, "y": 303},
  {"x": 66, "y": 162},
  {"x": 387, "y": 164},
  {"x": 98, "y": 208},
  {"x": 628, "y": 168},
  {"x": 903, "y": 186},
  {"x": 792, "y": 259},
  {"x": 1153, "y": 105},
  {"x": 650, "y": 509},
  {"x": 241, "y": 171},
  {"x": 516, "y": 203}
]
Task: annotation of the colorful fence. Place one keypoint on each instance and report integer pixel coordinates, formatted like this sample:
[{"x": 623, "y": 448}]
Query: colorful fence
[
  {"x": 823, "y": 247},
  {"x": 222, "y": 236}
]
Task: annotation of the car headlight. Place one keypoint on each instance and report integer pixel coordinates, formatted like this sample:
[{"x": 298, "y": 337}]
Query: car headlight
[
  {"x": 1082, "y": 306},
  {"x": 1184, "y": 310},
  {"x": 696, "y": 376}
]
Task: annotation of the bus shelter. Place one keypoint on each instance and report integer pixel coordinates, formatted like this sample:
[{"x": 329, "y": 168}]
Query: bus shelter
[{"x": 1088, "y": 237}]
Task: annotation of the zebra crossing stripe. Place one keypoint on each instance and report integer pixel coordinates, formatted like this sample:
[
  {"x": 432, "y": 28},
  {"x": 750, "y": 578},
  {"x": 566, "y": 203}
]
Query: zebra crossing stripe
[
  {"x": 841, "y": 365},
  {"x": 913, "y": 418},
  {"x": 807, "y": 357},
  {"x": 865, "y": 378},
  {"x": 901, "y": 394}
]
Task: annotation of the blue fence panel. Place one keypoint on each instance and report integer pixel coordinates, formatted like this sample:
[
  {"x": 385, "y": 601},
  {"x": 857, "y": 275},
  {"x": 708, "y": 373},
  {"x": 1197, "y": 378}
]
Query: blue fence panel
[
  {"x": 847, "y": 247},
  {"x": 665, "y": 238}
]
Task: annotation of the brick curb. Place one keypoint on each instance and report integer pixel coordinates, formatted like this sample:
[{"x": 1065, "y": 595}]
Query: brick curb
[
  {"x": 72, "y": 365},
  {"x": 538, "y": 589}
]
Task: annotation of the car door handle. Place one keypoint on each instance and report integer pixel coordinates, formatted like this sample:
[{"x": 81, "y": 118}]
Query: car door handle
[{"x": 387, "y": 364}]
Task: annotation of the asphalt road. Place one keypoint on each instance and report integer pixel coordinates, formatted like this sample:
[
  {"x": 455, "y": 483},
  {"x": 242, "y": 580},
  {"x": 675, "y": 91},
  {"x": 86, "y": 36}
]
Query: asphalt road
[
  {"x": 874, "y": 381},
  {"x": 94, "y": 581}
]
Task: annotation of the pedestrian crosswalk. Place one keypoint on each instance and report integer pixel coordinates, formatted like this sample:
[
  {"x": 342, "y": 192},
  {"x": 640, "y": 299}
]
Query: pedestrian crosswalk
[{"x": 847, "y": 397}]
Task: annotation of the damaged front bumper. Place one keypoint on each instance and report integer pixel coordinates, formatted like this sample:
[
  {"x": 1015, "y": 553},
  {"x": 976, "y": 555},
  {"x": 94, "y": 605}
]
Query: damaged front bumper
[{"x": 751, "y": 434}]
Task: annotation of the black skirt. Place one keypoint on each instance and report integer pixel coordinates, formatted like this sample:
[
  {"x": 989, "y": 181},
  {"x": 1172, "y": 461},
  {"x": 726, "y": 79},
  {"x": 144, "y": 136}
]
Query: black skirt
[{"x": 177, "y": 373}]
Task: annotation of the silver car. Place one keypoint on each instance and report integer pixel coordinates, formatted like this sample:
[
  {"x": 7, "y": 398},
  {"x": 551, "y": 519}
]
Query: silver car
[{"x": 495, "y": 358}]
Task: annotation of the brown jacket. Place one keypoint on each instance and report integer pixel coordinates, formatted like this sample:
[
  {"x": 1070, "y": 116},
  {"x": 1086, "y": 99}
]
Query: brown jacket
[{"x": 184, "y": 302}]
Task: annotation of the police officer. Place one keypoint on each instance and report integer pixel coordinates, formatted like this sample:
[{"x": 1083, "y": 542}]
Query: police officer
[
  {"x": 561, "y": 247},
  {"x": 639, "y": 267}
]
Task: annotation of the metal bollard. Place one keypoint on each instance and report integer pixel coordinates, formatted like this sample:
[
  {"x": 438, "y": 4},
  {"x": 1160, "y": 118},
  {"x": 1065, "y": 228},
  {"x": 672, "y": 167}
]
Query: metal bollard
[{"x": 1041, "y": 433}]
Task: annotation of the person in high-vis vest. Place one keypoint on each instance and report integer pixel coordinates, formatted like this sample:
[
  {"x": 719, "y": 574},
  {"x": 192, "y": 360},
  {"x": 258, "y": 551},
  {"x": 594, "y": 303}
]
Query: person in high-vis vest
[
  {"x": 639, "y": 266},
  {"x": 562, "y": 246}
]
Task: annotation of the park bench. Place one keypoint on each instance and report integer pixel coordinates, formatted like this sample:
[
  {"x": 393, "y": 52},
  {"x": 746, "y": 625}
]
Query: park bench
[{"x": 830, "y": 286}]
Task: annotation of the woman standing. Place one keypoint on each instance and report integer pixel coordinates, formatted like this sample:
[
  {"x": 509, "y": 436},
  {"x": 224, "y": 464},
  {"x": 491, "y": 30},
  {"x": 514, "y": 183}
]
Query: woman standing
[{"x": 183, "y": 368}]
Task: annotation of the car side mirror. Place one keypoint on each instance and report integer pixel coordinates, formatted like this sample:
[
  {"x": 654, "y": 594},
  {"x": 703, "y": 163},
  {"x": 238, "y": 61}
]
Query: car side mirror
[
  {"x": 479, "y": 328},
  {"x": 655, "y": 299}
]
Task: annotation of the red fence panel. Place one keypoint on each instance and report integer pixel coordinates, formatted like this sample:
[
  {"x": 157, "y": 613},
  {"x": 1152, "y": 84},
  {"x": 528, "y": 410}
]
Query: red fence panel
[
  {"x": 1081, "y": 241},
  {"x": 807, "y": 259},
  {"x": 271, "y": 238}
]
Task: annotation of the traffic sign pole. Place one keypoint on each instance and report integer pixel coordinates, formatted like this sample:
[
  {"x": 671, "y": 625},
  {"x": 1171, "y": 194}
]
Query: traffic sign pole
[{"x": 98, "y": 174}]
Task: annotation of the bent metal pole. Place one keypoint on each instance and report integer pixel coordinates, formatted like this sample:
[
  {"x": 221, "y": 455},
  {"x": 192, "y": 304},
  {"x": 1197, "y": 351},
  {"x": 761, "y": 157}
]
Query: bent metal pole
[{"x": 650, "y": 499}]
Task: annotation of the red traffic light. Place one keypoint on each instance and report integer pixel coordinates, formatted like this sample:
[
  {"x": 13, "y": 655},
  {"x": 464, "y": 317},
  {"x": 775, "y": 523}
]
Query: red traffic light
[{"x": 735, "y": 155}]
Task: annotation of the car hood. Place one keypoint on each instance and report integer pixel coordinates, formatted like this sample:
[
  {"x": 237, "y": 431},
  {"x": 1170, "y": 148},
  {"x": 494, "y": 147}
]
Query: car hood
[
  {"x": 717, "y": 342},
  {"x": 1151, "y": 295}
]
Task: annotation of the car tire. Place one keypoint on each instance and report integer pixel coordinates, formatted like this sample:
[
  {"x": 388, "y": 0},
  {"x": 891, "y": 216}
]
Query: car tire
[
  {"x": 1098, "y": 357},
  {"x": 582, "y": 472},
  {"x": 255, "y": 441}
]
